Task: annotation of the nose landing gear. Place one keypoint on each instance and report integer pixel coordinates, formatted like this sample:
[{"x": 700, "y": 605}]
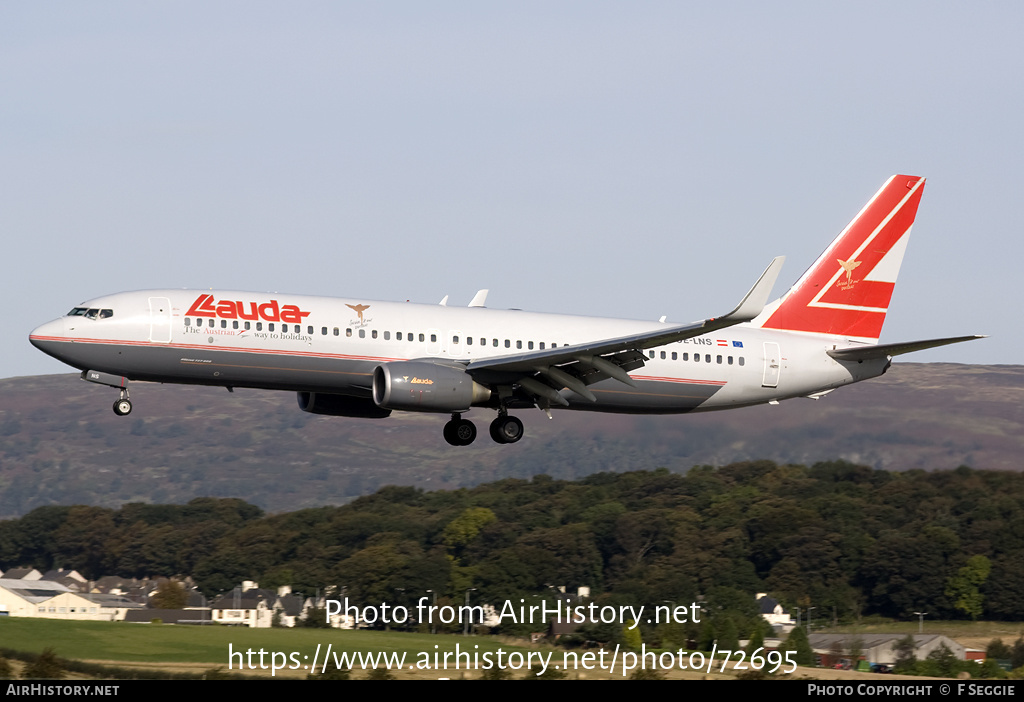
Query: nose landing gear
[{"x": 123, "y": 405}]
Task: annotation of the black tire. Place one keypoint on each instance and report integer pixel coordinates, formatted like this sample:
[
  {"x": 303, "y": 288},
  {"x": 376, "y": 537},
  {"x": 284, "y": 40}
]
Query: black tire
[
  {"x": 122, "y": 407},
  {"x": 449, "y": 432},
  {"x": 506, "y": 430},
  {"x": 465, "y": 432}
]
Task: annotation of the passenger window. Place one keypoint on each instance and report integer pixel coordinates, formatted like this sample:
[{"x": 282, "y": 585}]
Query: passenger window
[
  {"x": 188, "y": 322},
  {"x": 284, "y": 329},
  {"x": 542, "y": 346},
  {"x": 730, "y": 360},
  {"x": 741, "y": 360},
  {"x": 362, "y": 333},
  {"x": 508, "y": 344},
  {"x": 686, "y": 356},
  {"x": 323, "y": 331},
  {"x": 337, "y": 332},
  {"x": 495, "y": 344},
  {"x": 398, "y": 336},
  {"x": 309, "y": 330},
  {"x": 387, "y": 336},
  {"x": 519, "y": 344},
  {"x": 719, "y": 360},
  {"x": 455, "y": 339},
  {"x": 707, "y": 358},
  {"x": 529, "y": 344},
  {"x": 348, "y": 332},
  {"x": 469, "y": 341},
  {"x": 651, "y": 354},
  {"x": 675, "y": 356},
  {"x": 373, "y": 333},
  {"x": 663, "y": 355},
  {"x": 259, "y": 326},
  {"x": 247, "y": 326},
  {"x": 433, "y": 338},
  {"x": 234, "y": 324},
  {"x": 212, "y": 322},
  {"x": 422, "y": 338}
]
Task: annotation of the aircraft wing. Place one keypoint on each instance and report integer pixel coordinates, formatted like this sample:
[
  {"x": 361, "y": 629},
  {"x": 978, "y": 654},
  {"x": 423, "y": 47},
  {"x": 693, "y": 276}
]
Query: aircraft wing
[
  {"x": 542, "y": 373},
  {"x": 876, "y": 351}
]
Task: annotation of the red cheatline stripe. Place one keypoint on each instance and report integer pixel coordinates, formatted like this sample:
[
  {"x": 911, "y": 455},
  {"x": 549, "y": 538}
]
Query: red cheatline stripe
[
  {"x": 690, "y": 381},
  {"x": 200, "y": 347}
]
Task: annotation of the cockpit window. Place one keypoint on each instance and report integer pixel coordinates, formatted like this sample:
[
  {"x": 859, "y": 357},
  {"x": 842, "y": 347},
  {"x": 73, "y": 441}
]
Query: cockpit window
[{"x": 90, "y": 313}]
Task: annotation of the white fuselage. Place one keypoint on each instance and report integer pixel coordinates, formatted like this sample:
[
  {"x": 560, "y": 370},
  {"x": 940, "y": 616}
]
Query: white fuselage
[{"x": 332, "y": 345}]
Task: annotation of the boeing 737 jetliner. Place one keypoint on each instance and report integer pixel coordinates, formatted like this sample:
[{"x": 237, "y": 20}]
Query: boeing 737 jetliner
[{"x": 351, "y": 357}]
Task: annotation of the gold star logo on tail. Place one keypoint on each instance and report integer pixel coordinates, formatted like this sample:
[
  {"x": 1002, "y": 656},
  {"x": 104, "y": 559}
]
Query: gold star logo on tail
[{"x": 849, "y": 267}]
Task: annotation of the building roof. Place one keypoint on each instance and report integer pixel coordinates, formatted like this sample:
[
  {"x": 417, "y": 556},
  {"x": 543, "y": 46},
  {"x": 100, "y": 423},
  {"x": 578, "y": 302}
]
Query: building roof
[{"x": 34, "y": 591}]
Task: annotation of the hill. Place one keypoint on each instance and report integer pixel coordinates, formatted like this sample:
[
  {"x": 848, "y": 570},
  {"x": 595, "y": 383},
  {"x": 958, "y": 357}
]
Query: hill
[{"x": 61, "y": 444}]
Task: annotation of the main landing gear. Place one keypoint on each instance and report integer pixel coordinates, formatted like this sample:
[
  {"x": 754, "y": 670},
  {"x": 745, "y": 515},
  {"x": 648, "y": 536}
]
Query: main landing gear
[
  {"x": 459, "y": 431},
  {"x": 504, "y": 429}
]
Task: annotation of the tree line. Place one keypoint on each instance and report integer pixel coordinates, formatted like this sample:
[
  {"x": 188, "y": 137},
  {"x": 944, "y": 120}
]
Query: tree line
[{"x": 848, "y": 540}]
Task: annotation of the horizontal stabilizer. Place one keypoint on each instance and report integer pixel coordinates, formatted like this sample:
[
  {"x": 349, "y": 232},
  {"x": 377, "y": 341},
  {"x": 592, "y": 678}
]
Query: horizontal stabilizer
[{"x": 865, "y": 353}]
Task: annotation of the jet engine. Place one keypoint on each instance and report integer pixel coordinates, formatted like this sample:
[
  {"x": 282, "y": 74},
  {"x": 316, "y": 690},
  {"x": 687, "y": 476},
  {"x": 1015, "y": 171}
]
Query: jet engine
[
  {"x": 419, "y": 386},
  {"x": 340, "y": 405}
]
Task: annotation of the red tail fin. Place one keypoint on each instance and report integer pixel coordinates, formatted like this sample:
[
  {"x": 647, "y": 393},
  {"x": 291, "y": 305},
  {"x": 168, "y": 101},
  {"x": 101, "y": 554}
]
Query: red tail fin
[{"x": 847, "y": 290}]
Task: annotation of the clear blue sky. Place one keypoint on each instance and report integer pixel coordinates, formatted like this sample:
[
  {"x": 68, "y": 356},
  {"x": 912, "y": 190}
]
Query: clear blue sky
[{"x": 631, "y": 159}]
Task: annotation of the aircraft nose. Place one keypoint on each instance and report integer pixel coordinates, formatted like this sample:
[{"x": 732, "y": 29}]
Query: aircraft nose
[{"x": 42, "y": 335}]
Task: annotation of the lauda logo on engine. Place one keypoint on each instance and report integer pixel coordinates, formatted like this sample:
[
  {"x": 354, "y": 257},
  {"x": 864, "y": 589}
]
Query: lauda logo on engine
[{"x": 206, "y": 306}]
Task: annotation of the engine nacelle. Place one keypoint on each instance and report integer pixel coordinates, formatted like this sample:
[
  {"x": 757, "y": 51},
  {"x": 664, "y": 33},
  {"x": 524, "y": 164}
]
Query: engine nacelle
[
  {"x": 419, "y": 386},
  {"x": 340, "y": 405}
]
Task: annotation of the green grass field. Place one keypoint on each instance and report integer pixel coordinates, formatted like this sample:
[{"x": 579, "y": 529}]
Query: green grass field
[
  {"x": 199, "y": 649},
  {"x": 196, "y": 648}
]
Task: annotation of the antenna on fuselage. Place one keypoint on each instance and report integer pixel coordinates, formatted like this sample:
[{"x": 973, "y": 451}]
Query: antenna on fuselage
[{"x": 479, "y": 299}]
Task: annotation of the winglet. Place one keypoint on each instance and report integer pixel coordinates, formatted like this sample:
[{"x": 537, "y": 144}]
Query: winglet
[{"x": 754, "y": 301}]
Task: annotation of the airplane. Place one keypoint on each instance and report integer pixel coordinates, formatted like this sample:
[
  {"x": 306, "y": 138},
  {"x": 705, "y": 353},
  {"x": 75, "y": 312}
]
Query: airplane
[{"x": 350, "y": 357}]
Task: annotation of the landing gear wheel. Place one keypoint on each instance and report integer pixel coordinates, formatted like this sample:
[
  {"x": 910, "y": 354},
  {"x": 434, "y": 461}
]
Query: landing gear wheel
[
  {"x": 122, "y": 407},
  {"x": 460, "y": 432},
  {"x": 506, "y": 429}
]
